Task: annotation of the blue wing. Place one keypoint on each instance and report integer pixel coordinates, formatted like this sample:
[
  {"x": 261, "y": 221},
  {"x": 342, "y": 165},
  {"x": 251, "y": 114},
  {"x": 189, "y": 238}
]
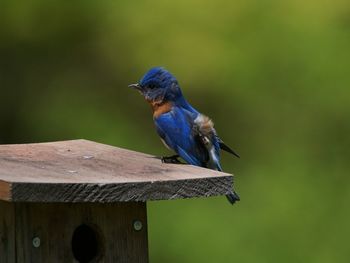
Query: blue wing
[{"x": 176, "y": 129}]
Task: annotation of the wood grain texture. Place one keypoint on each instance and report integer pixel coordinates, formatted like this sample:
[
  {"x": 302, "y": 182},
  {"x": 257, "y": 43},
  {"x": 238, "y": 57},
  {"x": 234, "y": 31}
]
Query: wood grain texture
[
  {"x": 85, "y": 171},
  {"x": 55, "y": 224}
]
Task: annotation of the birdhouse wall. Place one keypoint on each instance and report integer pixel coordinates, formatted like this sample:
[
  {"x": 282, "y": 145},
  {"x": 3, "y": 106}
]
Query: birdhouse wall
[{"x": 74, "y": 232}]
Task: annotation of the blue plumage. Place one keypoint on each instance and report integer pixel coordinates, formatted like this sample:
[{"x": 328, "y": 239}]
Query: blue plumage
[
  {"x": 176, "y": 129},
  {"x": 182, "y": 128}
]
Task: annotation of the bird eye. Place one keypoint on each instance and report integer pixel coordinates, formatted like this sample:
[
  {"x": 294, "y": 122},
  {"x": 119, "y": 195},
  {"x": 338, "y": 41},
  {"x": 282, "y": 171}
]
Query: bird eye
[{"x": 151, "y": 86}]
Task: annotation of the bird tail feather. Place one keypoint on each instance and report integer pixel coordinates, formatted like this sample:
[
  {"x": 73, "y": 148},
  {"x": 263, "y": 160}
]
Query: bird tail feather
[{"x": 232, "y": 197}]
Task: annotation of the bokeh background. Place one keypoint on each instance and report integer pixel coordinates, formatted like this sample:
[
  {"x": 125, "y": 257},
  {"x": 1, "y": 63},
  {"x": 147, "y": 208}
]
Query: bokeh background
[{"x": 274, "y": 75}]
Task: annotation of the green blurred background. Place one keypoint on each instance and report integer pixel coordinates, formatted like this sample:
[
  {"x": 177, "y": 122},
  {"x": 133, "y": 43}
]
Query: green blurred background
[{"x": 274, "y": 75}]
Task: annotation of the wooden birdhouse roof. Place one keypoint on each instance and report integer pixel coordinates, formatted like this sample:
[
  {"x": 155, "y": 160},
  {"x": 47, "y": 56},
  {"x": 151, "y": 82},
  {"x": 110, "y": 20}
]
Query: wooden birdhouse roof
[{"x": 86, "y": 171}]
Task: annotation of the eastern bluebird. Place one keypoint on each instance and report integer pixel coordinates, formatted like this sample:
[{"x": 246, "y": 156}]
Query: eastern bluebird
[{"x": 190, "y": 134}]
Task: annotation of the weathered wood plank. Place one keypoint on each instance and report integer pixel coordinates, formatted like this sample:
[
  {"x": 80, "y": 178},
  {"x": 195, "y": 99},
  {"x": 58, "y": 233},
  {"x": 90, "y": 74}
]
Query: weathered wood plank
[
  {"x": 85, "y": 171},
  {"x": 118, "y": 192},
  {"x": 54, "y": 225}
]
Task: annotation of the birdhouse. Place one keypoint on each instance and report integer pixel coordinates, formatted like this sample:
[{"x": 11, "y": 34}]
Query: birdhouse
[{"x": 81, "y": 201}]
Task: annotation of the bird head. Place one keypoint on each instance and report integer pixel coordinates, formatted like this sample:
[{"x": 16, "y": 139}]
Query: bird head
[{"x": 158, "y": 85}]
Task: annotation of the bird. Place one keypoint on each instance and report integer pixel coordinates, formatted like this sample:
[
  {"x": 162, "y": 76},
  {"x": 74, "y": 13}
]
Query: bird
[{"x": 182, "y": 129}]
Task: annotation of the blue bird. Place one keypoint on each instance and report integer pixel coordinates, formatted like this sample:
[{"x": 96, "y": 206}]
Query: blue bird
[{"x": 189, "y": 133}]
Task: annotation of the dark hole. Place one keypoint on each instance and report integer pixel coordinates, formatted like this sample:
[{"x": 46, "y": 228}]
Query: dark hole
[{"x": 85, "y": 244}]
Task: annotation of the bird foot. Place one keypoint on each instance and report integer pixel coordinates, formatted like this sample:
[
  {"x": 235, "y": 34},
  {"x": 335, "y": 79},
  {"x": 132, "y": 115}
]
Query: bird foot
[{"x": 171, "y": 159}]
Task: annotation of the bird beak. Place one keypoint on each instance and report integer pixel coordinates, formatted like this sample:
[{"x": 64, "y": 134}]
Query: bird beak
[{"x": 135, "y": 86}]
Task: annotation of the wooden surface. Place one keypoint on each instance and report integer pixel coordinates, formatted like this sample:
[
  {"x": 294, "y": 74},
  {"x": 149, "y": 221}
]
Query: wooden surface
[
  {"x": 55, "y": 224},
  {"x": 85, "y": 171},
  {"x": 7, "y": 233}
]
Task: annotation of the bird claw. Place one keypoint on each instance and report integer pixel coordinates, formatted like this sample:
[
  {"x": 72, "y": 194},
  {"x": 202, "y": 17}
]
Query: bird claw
[{"x": 170, "y": 159}]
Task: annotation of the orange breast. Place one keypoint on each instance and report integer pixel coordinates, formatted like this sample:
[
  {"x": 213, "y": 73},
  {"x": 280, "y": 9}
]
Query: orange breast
[{"x": 159, "y": 109}]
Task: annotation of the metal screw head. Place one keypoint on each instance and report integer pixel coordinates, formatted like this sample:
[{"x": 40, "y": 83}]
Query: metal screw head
[
  {"x": 36, "y": 242},
  {"x": 137, "y": 225}
]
